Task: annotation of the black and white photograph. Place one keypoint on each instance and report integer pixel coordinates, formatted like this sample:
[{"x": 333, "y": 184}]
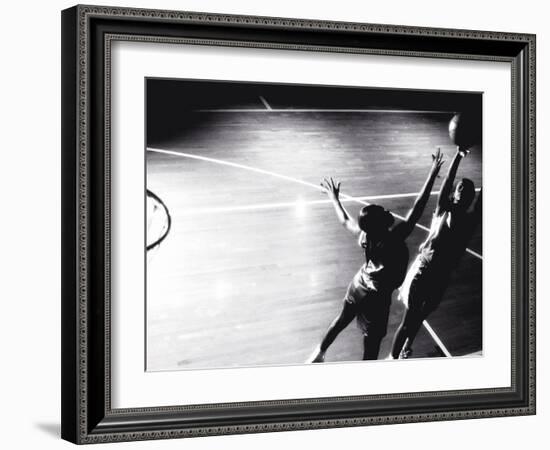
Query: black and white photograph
[{"x": 292, "y": 224}]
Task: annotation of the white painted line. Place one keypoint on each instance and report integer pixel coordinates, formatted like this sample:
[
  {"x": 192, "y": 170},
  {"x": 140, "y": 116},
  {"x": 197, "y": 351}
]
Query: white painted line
[
  {"x": 275, "y": 205},
  {"x": 383, "y": 196},
  {"x": 436, "y": 339},
  {"x": 264, "y": 101},
  {"x": 268, "y": 206},
  {"x": 236, "y": 165},
  {"x": 254, "y": 207},
  {"x": 318, "y": 110},
  {"x": 471, "y": 252}
]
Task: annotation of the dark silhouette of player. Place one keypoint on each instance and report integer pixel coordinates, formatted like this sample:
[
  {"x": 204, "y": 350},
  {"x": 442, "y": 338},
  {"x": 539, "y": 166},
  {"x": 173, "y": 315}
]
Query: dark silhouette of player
[
  {"x": 368, "y": 296},
  {"x": 452, "y": 226}
]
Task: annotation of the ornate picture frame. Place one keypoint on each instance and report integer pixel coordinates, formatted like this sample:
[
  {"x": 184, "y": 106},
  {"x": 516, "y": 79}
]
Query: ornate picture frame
[{"x": 88, "y": 33}]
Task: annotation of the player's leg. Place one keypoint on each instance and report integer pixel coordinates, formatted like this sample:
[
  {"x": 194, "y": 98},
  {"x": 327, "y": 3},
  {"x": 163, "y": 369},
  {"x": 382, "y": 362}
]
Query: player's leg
[
  {"x": 413, "y": 294},
  {"x": 342, "y": 321},
  {"x": 420, "y": 315},
  {"x": 412, "y": 328},
  {"x": 372, "y": 318},
  {"x": 371, "y": 345},
  {"x": 400, "y": 337},
  {"x": 338, "y": 324},
  {"x": 406, "y": 332}
]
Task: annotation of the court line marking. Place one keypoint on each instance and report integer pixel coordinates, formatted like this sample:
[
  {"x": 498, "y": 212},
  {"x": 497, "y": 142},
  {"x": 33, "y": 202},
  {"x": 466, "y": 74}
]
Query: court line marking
[
  {"x": 427, "y": 326},
  {"x": 264, "y": 101},
  {"x": 435, "y": 337},
  {"x": 319, "y": 110},
  {"x": 297, "y": 202}
]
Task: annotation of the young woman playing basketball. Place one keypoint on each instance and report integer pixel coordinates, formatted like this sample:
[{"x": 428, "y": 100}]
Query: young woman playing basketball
[
  {"x": 368, "y": 296},
  {"x": 429, "y": 275}
]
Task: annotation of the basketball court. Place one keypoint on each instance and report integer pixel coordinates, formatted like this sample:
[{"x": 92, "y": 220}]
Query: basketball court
[{"x": 256, "y": 264}]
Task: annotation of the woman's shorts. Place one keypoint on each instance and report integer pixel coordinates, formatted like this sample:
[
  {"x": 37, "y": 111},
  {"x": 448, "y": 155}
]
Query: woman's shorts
[{"x": 372, "y": 308}]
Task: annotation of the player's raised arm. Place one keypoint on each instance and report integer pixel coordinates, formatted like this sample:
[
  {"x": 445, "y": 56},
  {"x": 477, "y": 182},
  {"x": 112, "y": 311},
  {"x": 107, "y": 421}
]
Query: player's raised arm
[
  {"x": 332, "y": 189},
  {"x": 447, "y": 186},
  {"x": 405, "y": 228}
]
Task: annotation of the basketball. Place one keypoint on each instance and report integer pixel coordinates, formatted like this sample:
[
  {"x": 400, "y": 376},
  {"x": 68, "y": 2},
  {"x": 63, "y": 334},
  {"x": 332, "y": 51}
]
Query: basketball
[{"x": 465, "y": 129}]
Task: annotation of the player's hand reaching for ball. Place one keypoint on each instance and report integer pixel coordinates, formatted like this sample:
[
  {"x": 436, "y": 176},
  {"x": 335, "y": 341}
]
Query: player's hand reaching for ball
[
  {"x": 463, "y": 150},
  {"x": 331, "y": 188},
  {"x": 437, "y": 161}
]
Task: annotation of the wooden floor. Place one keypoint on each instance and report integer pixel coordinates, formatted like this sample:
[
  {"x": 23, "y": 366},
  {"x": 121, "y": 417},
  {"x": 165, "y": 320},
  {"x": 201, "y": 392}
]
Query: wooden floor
[{"x": 256, "y": 264}]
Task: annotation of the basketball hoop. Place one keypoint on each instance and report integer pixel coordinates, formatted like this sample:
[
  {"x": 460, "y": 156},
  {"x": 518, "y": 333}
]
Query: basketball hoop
[{"x": 159, "y": 220}]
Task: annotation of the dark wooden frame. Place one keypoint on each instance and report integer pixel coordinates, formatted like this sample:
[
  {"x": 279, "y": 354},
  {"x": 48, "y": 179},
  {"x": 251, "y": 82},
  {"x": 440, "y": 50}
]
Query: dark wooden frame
[{"x": 87, "y": 32}]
